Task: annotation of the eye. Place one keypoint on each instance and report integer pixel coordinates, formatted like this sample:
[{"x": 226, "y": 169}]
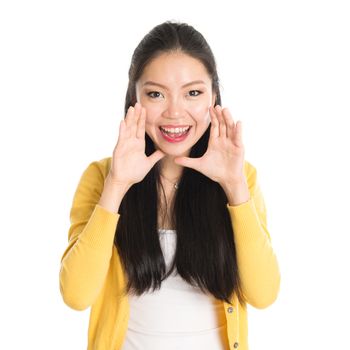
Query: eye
[
  {"x": 153, "y": 94},
  {"x": 199, "y": 92}
]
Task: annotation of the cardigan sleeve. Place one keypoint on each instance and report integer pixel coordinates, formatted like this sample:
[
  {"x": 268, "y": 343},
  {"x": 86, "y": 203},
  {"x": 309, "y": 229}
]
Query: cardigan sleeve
[
  {"x": 257, "y": 262},
  {"x": 85, "y": 262}
]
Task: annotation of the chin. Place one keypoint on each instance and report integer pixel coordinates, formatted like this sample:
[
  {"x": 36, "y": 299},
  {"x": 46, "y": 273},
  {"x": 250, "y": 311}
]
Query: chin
[{"x": 174, "y": 153}]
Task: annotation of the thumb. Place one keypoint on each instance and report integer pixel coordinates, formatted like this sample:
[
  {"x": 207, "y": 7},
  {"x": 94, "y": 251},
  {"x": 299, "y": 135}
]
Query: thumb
[
  {"x": 188, "y": 162},
  {"x": 156, "y": 156}
]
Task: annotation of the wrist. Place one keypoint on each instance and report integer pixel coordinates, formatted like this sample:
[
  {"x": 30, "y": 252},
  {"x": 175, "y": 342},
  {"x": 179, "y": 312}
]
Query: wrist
[
  {"x": 237, "y": 191},
  {"x": 112, "y": 194},
  {"x": 116, "y": 184}
]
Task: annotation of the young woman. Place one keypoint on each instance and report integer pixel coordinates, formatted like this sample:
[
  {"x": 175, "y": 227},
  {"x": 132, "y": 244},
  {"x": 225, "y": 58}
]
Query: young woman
[{"x": 168, "y": 239}]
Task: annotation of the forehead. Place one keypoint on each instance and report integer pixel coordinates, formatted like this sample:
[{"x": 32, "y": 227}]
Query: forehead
[{"x": 174, "y": 69}]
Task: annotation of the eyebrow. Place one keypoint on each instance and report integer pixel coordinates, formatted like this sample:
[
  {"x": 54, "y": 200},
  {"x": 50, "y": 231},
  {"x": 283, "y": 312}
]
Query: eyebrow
[{"x": 164, "y": 87}]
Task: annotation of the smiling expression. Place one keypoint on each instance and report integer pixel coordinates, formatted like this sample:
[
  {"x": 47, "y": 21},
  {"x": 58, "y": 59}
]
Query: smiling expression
[{"x": 176, "y": 91}]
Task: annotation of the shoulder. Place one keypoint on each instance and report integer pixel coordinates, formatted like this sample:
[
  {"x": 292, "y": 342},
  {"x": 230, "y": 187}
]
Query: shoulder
[
  {"x": 100, "y": 167},
  {"x": 251, "y": 175},
  {"x": 104, "y": 165},
  {"x": 94, "y": 175},
  {"x": 91, "y": 182},
  {"x": 249, "y": 169}
]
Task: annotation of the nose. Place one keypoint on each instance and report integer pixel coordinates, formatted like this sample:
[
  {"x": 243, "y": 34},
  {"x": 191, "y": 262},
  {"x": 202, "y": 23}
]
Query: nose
[{"x": 173, "y": 109}]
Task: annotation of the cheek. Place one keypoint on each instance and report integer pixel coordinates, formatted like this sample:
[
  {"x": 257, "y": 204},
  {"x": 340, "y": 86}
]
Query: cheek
[
  {"x": 201, "y": 113},
  {"x": 152, "y": 115},
  {"x": 152, "y": 109},
  {"x": 151, "y": 121}
]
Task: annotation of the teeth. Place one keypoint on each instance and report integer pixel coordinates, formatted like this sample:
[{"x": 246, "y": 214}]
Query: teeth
[{"x": 175, "y": 130}]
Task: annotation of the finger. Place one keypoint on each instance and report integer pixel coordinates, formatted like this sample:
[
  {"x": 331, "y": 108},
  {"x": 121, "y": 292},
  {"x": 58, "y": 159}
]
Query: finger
[
  {"x": 129, "y": 116},
  {"x": 214, "y": 129},
  {"x": 238, "y": 136},
  {"x": 132, "y": 114},
  {"x": 222, "y": 124},
  {"x": 122, "y": 127},
  {"x": 134, "y": 119},
  {"x": 141, "y": 125},
  {"x": 230, "y": 124},
  {"x": 193, "y": 163},
  {"x": 156, "y": 156}
]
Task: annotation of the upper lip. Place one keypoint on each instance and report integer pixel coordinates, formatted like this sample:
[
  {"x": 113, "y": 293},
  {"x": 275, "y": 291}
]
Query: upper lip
[{"x": 174, "y": 126}]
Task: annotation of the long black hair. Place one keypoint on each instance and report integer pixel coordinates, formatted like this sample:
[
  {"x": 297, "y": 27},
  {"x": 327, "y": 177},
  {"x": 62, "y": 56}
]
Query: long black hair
[{"x": 205, "y": 253}]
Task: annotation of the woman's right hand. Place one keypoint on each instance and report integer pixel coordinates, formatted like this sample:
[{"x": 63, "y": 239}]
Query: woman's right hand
[{"x": 129, "y": 162}]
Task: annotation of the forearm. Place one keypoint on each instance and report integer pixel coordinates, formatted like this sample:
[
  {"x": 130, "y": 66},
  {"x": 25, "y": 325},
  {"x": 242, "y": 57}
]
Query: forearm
[
  {"x": 85, "y": 264},
  {"x": 86, "y": 261},
  {"x": 257, "y": 262}
]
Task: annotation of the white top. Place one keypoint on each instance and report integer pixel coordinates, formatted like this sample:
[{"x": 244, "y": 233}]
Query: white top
[{"x": 178, "y": 316}]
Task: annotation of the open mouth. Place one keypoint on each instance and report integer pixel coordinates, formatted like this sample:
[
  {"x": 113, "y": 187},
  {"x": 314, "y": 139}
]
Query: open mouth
[{"x": 175, "y": 133}]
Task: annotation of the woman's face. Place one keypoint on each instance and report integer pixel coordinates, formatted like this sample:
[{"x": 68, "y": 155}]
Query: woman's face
[{"x": 176, "y": 91}]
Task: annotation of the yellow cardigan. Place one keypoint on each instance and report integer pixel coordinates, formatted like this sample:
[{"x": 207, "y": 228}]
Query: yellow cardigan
[{"x": 91, "y": 273}]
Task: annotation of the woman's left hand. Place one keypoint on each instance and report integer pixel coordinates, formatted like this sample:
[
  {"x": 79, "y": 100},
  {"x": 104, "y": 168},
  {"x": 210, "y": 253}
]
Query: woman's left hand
[{"x": 223, "y": 161}]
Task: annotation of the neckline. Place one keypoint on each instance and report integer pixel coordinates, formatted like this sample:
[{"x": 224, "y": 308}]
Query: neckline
[{"x": 166, "y": 229}]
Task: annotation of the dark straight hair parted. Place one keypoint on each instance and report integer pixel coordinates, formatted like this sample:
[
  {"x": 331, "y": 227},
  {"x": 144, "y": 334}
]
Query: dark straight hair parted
[{"x": 205, "y": 255}]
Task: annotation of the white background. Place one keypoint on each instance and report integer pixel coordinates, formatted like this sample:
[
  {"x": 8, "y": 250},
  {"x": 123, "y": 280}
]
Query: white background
[{"x": 284, "y": 70}]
